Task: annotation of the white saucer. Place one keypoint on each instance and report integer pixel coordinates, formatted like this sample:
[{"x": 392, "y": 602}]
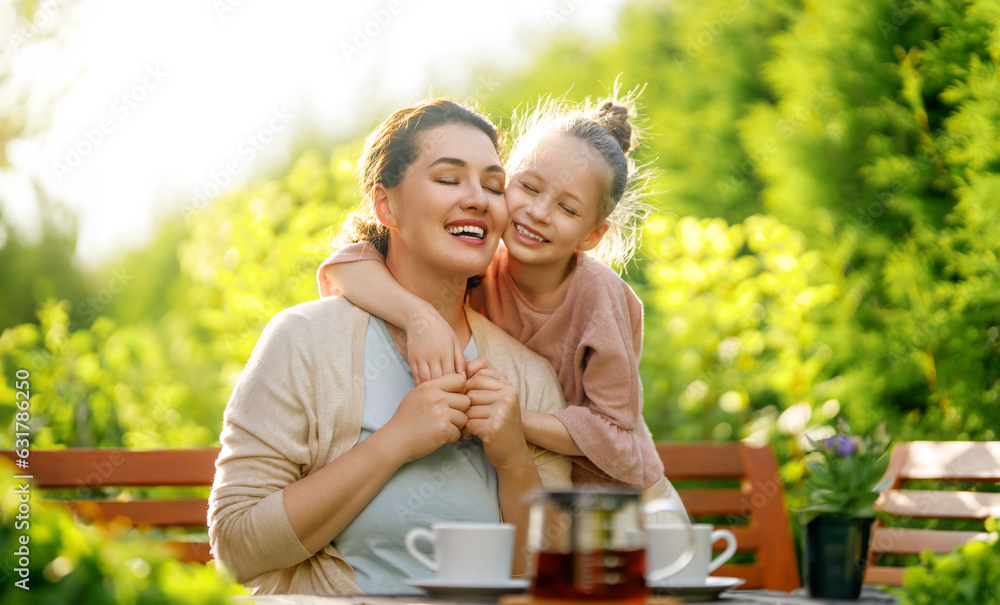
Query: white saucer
[
  {"x": 472, "y": 591},
  {"x": 708, "y": 591}
]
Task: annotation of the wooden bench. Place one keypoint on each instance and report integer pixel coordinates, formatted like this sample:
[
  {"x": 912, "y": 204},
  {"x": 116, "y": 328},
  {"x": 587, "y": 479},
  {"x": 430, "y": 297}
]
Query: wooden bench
[
  {"x": 948, "y": 461},
  {"x": 91, "y": 469},
  {"x": 753, "y": 508}
]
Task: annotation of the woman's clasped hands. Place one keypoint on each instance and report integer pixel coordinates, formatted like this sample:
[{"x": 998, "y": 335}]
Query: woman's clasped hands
[
  {"x": 444, "y": 409},
  {"x": 494, "y": 414}
]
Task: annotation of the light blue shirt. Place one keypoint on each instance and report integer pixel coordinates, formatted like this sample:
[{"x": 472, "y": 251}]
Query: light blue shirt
[{"x": 453, "y": 483}]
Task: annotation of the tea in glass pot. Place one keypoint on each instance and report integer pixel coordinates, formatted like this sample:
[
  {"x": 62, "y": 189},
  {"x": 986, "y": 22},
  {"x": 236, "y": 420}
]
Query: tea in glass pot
[{"x": 589, "y": 545}]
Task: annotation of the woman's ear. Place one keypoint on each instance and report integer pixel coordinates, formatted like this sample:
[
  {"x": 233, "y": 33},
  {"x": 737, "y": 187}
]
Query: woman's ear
[
  {"x": 593, "y": 238},
  {"x": 382, "y": 206}
]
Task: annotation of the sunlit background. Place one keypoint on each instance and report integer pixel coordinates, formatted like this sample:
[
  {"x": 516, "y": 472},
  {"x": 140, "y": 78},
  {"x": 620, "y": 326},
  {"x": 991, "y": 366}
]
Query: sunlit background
[{"x": 134, "y": 107}]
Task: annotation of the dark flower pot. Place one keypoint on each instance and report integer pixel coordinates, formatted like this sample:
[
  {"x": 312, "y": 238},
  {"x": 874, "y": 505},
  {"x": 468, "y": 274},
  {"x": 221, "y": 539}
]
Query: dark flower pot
[{"x": 836, "y": 551}]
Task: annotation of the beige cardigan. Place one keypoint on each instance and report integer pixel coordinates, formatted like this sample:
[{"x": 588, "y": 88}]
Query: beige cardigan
[
  {"x": 593, "y": 341},
  {"x": 296, "y": 407}
]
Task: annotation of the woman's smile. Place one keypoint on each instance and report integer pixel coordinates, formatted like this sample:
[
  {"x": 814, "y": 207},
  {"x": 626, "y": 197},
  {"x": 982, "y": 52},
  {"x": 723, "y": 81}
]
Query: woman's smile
[{"x": 470, "y": 231}]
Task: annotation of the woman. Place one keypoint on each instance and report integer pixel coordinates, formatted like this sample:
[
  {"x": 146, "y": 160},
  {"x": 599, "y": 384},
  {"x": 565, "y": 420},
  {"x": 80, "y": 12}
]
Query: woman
[{"x": 329, "y": 455}]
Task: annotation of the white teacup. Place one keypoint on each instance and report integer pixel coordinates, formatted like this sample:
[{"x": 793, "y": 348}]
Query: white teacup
[
  {"x": 666, "y": 543},
  {"x": 475, "y": 554}
]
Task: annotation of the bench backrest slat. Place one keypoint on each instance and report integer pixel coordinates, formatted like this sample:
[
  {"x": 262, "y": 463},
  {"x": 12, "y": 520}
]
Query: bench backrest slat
[
  {"x": 949, "y": 462},
  {"x": 80, "y": 467},
  {"x": 756, "y": 506},
  {"x": 90, "y": 469},
  {"x": 187, "y": 512}
]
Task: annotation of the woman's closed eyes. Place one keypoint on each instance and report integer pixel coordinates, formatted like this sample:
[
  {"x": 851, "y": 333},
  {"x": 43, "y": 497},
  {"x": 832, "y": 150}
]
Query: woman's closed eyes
[{"x": 494, "y": 189}]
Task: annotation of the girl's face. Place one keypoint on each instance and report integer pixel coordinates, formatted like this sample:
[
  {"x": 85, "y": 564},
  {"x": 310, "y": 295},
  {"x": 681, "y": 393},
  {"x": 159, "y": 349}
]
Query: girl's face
[
  {"x": 553, "y": 202},
  {"x": 448, "y": 212}
]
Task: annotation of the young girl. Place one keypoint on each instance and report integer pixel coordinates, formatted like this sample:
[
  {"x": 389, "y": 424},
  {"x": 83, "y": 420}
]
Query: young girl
[{"x": 571, "y": 189}]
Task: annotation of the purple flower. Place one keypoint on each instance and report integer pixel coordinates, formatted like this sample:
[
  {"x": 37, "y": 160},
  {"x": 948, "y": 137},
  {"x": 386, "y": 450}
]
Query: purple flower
[{"x": 841, "y": 445}]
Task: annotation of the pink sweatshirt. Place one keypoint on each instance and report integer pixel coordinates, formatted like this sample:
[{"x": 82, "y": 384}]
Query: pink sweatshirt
[{"x": 594, "y": 341}]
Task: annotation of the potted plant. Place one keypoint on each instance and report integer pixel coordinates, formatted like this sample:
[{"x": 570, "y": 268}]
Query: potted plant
[{"x": 842, "y": 485}]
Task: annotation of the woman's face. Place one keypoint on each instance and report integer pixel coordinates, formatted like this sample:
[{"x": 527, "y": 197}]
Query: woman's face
[{"x": 449, "y": 212}]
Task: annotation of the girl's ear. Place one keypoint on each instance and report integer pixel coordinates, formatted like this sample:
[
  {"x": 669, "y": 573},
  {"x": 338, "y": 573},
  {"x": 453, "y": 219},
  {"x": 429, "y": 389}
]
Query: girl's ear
[
  {"x": 593, "y": 238},
  {"x": 380, "y": 203}
]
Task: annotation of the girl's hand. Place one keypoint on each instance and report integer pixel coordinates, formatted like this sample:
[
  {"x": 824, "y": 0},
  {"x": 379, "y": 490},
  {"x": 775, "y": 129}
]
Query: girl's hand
[
  {"x": 432, "y": 349},
  {"x": 428, "y": 417},
  {"x": 495, "y": 415}
]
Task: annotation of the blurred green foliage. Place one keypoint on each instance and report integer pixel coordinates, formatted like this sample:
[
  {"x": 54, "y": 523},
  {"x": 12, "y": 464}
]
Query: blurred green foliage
[
  {"x": 825, "y": 242},
  {"x": 969, "y": 575},
  {"x": 33, "y": 271}
]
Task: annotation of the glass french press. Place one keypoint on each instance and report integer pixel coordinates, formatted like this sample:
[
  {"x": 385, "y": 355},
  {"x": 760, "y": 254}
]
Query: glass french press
[{"x": 589, "y": 545}]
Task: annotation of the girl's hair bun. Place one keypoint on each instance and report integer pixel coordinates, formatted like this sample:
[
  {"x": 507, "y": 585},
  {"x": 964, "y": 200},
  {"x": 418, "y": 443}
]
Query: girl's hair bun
[{"x": 616, "y": 119}]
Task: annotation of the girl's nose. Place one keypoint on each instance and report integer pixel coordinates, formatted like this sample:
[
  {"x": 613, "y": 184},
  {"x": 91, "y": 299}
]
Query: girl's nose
[{"x": 539, "y": 211}]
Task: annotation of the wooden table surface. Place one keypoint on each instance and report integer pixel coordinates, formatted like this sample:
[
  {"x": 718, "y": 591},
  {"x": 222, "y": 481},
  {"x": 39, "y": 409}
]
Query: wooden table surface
[{"x": 870, "y": 595}]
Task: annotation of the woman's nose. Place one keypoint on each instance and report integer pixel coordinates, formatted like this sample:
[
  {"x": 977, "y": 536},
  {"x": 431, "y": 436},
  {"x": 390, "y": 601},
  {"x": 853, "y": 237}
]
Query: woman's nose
[{"x": 475, "y": 198}]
